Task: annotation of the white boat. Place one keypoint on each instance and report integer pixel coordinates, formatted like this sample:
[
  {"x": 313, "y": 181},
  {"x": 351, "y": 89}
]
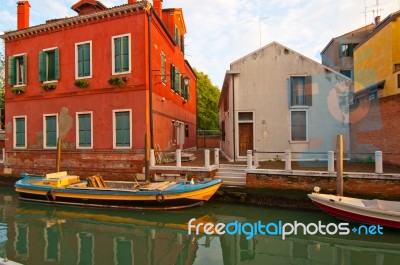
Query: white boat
[{"x": 377, "y": 212}]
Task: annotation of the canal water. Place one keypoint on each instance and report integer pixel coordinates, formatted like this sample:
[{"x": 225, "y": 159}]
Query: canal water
[{"x": 33, "y": 233}]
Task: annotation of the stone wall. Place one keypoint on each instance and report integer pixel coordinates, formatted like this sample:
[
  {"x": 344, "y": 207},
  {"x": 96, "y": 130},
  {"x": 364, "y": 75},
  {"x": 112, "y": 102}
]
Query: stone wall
[
  {"x": 375, "y": 126},
  {"x": 112, "y": 165},
  {"x": 355, "y": 184}
]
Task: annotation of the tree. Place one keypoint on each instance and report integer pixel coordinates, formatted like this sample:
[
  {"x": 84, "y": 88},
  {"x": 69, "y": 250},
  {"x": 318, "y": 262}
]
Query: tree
[{"x": 207, "y": 103}]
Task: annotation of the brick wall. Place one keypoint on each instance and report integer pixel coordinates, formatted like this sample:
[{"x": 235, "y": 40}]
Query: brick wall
[
  {"x": 375, "y": 126},
  {"x": 384, "y": 188},
  {"x": 112, "y": 165}
]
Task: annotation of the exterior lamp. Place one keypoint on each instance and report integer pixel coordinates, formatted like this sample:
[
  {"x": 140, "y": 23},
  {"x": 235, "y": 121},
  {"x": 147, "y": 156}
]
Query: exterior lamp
[{"x": 186, "y": 80}]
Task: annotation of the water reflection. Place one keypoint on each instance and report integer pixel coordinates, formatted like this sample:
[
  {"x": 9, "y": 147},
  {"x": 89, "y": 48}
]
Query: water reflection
[{"x": 45, "y": 234}]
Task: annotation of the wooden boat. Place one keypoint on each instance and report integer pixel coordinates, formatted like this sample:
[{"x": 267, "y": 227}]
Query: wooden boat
[
  {"x": 377, "y": 212},
  {"x": 61, "y": 188}
]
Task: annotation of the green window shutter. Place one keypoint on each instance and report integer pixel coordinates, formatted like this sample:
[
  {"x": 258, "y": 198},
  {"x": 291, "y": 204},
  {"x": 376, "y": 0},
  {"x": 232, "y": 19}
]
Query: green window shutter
[
  {"x": 85, "y": 136},
  {"x": 117, "y": 55},
  {"x": 24, "y": 67},
  {"x": 56, "y": 64},
  {"x": 80, "y": 60},
  {"x": 125, "y": 53},
  {"x": 122, "y": 127},
  {"x": 177, "y": 79},
  {"x": 86, "y": 59},
  {"x": 42, "y": 66},
  {"x": 12, "y": 71},
  {"x": 20, "y": 132},
  {"x": 172, "y": 75},
  {"x": 51, "y": 131}
]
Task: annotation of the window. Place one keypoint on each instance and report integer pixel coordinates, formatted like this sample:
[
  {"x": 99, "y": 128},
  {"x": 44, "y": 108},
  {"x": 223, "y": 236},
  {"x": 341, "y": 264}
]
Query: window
[
  {"x": 83, "y": 67},
  {"x": 49, "y": 65},
  {"x": 51, "y": 131},
  {"x": 163, "y": 70},
  {"x": 184, "y": 90},
  {"x": 17, "y": 70},
  {"x": 84, "y": 130},
  {"x": 398, "y": 80},
  {"x": 175, "y": 79},
  {"x": 300, "y": 91},
  {"x": 298, "y": 125},
  {"x": 122, "y": 129},
  {"x": 346, "y": 50},
  {"x": 245, "y": 116},
  {"x": 121, "y": 54},
  {"x": 20, "y": 132},
  {"x": 348, "y": 73},
  {"x": 177, "y": 36}
]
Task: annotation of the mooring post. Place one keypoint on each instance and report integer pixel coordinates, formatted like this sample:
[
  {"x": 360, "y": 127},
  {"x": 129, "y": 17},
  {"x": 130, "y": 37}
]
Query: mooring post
[
  {"x": 152, "y": 158},
  {"x": 216, "y": 156},
  {"x": 249, "y": 159},
  {"x": 256, "y": 161},
  {"x": 339, "y": 166},
  {"x": 331, "y": 161},
  {"x": 378, "y": 162},
  {"x": 207, "y": 158},
  {"x": 178, "y": 157},
  {"x": 288, "y": 160}
]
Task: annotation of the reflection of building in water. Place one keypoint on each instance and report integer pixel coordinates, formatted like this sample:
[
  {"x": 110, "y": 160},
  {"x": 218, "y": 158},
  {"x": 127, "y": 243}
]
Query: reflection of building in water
[
  {"x": 57, "y": 241},
  {"x": 308, "y": 250}
]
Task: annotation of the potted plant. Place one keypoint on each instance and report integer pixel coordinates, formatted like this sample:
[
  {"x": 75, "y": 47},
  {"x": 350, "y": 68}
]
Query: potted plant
[
  {"x": 49, "y": 86},
  {"x": 82, "y": 83},
  {"x": 18, "y": 90},
  {"x": 117, "y": 81}
]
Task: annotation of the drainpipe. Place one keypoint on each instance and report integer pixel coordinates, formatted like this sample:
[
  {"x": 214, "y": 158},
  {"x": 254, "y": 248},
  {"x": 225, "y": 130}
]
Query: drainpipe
[{"x": 151, "y": 78}]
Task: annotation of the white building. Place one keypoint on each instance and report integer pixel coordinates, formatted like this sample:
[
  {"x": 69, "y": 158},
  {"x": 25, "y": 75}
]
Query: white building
[{"x": 276, "y": 99}]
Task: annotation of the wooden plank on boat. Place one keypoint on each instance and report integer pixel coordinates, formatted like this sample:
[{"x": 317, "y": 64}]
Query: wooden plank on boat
[
  {"x": 155, "y": 186},
  {"x": 172, "y": 183},
  {"x": 56, "y": 175}
]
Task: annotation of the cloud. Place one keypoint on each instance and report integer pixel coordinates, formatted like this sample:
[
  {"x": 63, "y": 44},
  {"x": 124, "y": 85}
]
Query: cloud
[{"x": 222, "y": 31}]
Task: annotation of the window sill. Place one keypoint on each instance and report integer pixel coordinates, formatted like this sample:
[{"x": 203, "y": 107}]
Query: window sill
[
  {"x": 299, "y": 142},
  {"x": 122, "y": 147},
  {"x": 121, "y": 73},
  {"x": 299, "y": 107},
  {"x": 50, "y": 81},
  {"x": 19, "y": 85}
]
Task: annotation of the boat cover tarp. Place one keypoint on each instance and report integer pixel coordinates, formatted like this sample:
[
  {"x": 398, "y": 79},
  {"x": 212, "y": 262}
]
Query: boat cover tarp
[{"x": 382, "y": 205}]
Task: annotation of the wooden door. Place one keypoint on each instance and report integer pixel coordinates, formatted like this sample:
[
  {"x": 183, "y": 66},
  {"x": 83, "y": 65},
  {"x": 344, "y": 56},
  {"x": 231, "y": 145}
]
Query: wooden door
[{"x": 245, "y": 138}]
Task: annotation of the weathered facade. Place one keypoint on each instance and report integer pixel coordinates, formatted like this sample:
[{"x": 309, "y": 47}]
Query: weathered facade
[
  {"x": 339, "y": 52},
  {"x": 375, "y": 108},
  {"x": 100, "y": 81},
  {"x": 276, "y": 99}
]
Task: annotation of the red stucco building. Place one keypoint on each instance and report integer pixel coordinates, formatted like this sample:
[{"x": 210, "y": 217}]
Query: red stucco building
[{"x": 101, "y": 81}]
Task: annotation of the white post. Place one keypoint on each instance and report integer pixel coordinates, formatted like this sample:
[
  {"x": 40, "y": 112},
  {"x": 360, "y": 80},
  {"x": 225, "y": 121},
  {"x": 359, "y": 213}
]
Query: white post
[
  {"x": 152, "y": 158},
  {"x": 207, "y": 158},
  {"x": 178, "y": 157},
  {"x": 216, "y": 156},
  {"x": 331, "y": 161},
  {"x": 256, "y": 162},
  {"x": 288, "y": 160},
  {"x": 249, "y": 159},
  {"x": 378, "y": 162}
]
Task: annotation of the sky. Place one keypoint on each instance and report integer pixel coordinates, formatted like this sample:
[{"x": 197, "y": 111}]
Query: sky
[{"x": 222, "y": 31}]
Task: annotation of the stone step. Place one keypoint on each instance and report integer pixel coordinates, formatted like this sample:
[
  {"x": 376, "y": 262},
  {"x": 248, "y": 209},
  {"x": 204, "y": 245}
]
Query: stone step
[
  {"x": 230, "y": 174},
  {"x": 233, "y": 178},
  {"x": 233, "y": 184}
]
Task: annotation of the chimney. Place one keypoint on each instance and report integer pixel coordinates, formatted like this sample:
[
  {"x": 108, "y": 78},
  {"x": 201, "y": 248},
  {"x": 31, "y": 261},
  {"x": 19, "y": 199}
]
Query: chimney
[
  {"x": 132, "y": 1},
  {"x": 157, "y": 4},
  {"x": 377, "y": 20},
  {"x": 23, "y": 14}
]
